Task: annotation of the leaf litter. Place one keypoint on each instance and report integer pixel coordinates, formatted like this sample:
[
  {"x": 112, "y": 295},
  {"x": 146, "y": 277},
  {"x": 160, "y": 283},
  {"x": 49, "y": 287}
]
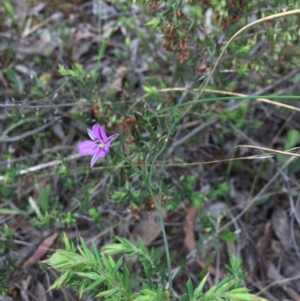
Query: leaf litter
[{"x": 44, "y": 38}]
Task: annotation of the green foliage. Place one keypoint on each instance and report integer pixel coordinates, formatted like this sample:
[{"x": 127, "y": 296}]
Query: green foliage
[
  {"x": 100, "y": 275},
  {"x": 48, "y": 211},
  {"x": 291, "y": 143},
  {"x": 292, "y": 139},
  {"x": 15, "y": 80},
  {"x": 228, "y": 236},
  {"x": 237, "y": 116},
  {"x": 9, "y": 9},
  {"x": 221, "y": 190}
]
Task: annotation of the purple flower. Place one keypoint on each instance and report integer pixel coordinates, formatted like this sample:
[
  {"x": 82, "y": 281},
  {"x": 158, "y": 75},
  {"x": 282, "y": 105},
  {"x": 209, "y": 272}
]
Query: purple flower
[{"x": 99, "y": 146}]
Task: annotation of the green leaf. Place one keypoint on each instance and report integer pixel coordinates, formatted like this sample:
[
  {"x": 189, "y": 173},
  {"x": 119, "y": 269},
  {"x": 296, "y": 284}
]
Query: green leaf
[
  {"x": 190, "y": 181},
  {"x": 208, "y": 264},
  {"x": 244, "y": 49},
  {"x": 117, "y": 266},
  {"x": 35, "y": 207},
  {"x": 96, "y": 254},
  {"x": 7, "y": 211},
  {"x": 225, "y": 287},
  {"x": 89, "y": 275},
  {"x": 15, "y": 79},
  {"x": 107, "y": 293},
  {"x": 64, "y": 278},
  {"x": 9, "y": 8},
  {"x": 199, "y": 289},
  {"x": 228, "y": 236},
  {"x": 68, "y": 243},
  {"x": 44, "y": 199},
  {"x": 95, "y": 284},
  {"x": 86, "y": 252},
  {"x": 126, "y": 279},
  {"x": 178, "y": 160},
  {"x": 141, "y": 244},
  {"x": 79, "y": 68},
  {"x": 291, "y": 139},
  {"x": 160, "y": 293},
  {"x": 154, "y": 23},
  {"x": 65, "y": 72},
  {"x": 140, "y": 119},
  {"x": 82, "y": 288},
  {"x": 197, "y": 199},
  {"x": 151, "y": 90},
  {"x": 190, "y": 289},
  {"x": 184, "y": 297}
]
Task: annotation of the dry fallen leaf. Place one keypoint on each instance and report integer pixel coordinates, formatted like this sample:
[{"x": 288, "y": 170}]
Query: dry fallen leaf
[
  {"x": 148, "y": 229},
  {"x": 117, "y": 83},
  {"x": 25, "y": 283},
  {"x": 280, "y": 225},
  {"x": 274, "y": 275},
  {"x": 36, "y": 48},
  {"x": 21, "y": 11},
  {"x": 190, "y": 242},
  {"x": 41, "y": 250},
  {"x": 41, "y": 292},
  {"x": 189, "y": 238}
]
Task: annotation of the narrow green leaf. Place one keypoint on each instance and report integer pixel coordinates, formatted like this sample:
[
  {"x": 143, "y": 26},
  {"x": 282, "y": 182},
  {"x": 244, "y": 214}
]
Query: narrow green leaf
[
  {"x": 89, "y": 275},
  {"x": 68, "y": 243},
  {"x": 190, "y": 289},
  {"x": 208, "y": 264},
  {"x": 44, "y": 199},
  {"x": 35, "y": 207},
  {"x": 86, "y": 251},
  {"x": 228, "y": 236},
  {"x": 95, "y": 284},
  {"x": 9, "y": 8},
  {"x": 96, "y": 254},
  {"x": 7, "y": 211},
  {"x": 117, "y": 266},
  {"x": 199, "y": 289},
  {"x": 107, "y": 292},
  {"x": 126, "y": 279},
  {"x": 184, "y": 297},
  {"x": 292, "y": 139}
]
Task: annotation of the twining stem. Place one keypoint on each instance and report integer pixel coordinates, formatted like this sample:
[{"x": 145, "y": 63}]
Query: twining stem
[
  {"x": 157, "y": 203},
  {"x": 147, "y": 176}
]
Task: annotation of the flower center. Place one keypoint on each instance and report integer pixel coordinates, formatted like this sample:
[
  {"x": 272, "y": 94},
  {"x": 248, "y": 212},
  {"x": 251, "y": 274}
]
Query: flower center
[{"x": 101, "y": 143}]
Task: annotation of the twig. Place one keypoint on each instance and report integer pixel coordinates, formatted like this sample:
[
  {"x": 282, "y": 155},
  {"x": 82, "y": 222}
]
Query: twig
[
  {"x": 32, "y": 132},
  {"x": 250, "y": 204},
  {"x": 189, "y": 135}
]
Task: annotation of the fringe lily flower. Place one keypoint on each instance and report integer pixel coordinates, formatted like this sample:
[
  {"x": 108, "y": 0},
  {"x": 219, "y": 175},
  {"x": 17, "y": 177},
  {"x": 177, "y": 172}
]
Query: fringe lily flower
[{"x": 99, "y": 144}]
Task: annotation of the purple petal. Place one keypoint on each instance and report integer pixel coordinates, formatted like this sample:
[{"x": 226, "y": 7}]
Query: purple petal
[
  {"x": 94, "y": 159},
  {"x": 91, "y": 134},
  {"x": 99, "y": 132},
  {"x": 100, "y": 154},
  {"x": 106, "y": 149},
  {"x": 87, "y": 147},
  {"x": 112, "y": 137}
]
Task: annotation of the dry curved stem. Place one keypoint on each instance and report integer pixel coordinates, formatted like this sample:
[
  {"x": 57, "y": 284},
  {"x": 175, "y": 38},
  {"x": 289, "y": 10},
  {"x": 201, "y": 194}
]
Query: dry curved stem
[
  {"x": 253, "y": 200},
  {"x": 271, "y": 102},
  {"x": 278, "y": 282},
  {"x": 179, "y": 165},
  {"x": 271, "y": 151},
  {"x": 262, "y": 20}
]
